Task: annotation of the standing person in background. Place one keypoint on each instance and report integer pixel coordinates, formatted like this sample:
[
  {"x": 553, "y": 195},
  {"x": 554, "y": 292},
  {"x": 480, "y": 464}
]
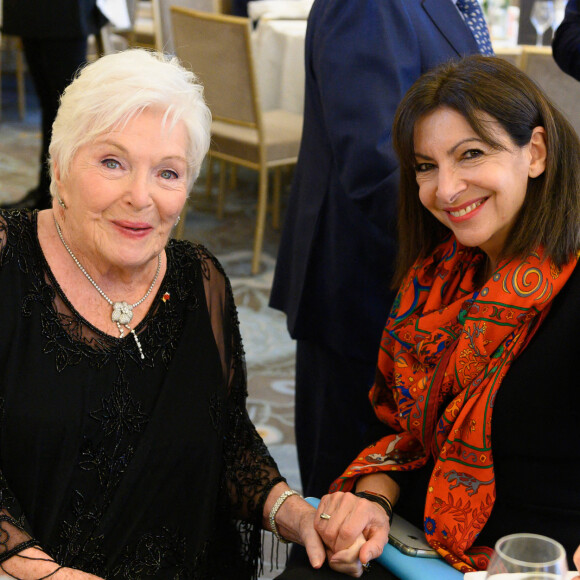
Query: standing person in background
[
  {"x": 54, "y": 37},
  {"x": 239, "y": 7},
  {"x": 335, "y": 261},
  {"x": 566, "y": 44}
]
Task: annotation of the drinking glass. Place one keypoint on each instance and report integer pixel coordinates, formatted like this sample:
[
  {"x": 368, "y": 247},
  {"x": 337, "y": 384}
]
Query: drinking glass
[
  {"x": 542, "y": 17},
  {"x": 527, "y": 557}
]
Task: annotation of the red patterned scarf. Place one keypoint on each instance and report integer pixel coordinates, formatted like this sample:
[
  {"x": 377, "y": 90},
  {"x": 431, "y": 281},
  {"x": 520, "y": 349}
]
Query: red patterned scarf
[{"x": 445, "y": 350}]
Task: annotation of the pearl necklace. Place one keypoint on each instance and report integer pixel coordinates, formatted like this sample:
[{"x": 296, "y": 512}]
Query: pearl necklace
[{"x": 122, "y": 311}]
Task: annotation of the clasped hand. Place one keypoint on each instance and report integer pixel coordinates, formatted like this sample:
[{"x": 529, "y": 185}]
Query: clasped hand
[{"x": 354, "y": 534}]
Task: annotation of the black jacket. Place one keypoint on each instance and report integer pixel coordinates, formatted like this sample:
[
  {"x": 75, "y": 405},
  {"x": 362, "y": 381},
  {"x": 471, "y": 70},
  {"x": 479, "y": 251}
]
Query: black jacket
[
  {"x": 566, "y": 45},
  {"x": 51, "y": 18}
]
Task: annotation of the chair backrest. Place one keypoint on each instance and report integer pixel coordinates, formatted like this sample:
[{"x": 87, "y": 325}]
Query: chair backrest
[
  {"x": 162, "y": 19},
  {"x": 217, "y": 48},
  {"x": 563, "y": 90},
  {"x": 512, "y": 54}
]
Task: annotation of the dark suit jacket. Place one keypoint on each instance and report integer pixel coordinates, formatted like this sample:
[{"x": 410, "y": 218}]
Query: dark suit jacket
[
  {"x": 338, "y": 244},
  {"x": 51, "y": 18},
  {"x": 566, "y": 44}
]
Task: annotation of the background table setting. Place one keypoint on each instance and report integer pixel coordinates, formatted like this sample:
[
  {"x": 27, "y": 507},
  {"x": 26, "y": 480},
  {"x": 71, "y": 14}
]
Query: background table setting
[
  {"x": 279, "y": 9},
  {"x": 280, "y": 30},
  {"x": 279, "y": 55},
  {"x": 278, "y": 42}
]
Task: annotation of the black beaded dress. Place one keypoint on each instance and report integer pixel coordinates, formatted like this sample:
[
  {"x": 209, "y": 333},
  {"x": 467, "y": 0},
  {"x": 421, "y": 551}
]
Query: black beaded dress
[{"x": 121, "y": 466}]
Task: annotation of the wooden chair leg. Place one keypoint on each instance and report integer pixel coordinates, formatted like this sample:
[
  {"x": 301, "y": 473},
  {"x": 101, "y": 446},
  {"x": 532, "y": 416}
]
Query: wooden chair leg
[
  {"x": 233, "y": 176},
  {"x": 209, "y": 177},
  {"x": 260, "y": 219},
  {"x": 276, "y": 198},
  {"x": 222, "y": 190}
]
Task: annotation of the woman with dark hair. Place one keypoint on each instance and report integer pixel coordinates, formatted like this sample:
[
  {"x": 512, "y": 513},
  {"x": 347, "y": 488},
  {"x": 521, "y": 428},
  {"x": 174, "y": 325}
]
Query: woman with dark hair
[
  {"x": 488, "y": 93},
  {"x": 477, "y": 377}
]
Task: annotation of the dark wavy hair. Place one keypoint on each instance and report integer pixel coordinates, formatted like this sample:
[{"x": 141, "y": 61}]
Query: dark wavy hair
[{"x": 550, "y": 215}]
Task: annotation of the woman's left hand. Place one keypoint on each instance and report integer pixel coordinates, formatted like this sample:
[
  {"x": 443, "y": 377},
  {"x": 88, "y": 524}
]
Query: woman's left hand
[
  {"x": 295, "y": 522},
  {"x": 350, "y": 519},
  {"x": 303, "y": 532},
  {"x": 307, "y": 534}
]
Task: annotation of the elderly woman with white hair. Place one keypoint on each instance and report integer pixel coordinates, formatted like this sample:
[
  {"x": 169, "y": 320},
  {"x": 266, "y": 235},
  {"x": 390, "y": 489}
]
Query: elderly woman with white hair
[{"x": 125, "y": 447}]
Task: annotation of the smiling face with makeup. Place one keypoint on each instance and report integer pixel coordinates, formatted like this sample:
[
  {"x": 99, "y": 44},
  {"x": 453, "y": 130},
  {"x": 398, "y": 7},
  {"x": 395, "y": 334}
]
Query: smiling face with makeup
[
  {"x": 470, "y": 186},
  {"x": 124, "y": 192}
]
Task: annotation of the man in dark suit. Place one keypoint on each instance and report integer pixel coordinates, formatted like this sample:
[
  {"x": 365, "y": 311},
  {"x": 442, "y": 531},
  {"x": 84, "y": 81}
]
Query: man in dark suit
[
  {"x": 338, "y": 245},
  {"x": 239, "y": 7},
  {"x": 566, "y": 44},
  {"x": 54, "y": 38}
]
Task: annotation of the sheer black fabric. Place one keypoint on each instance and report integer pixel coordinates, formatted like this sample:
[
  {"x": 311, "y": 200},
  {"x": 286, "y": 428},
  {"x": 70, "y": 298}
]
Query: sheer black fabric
[{"x": 123, "y": 467}]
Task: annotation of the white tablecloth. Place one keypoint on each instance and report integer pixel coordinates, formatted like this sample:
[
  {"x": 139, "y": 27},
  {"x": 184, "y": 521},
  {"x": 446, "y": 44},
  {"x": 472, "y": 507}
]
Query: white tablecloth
[
  {"x": 279, "y": 8},
  {"x": 279, "y": 56},
  {"x": 117, "y": 13}
]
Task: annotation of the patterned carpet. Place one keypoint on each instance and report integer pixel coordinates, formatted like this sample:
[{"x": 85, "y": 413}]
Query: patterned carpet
[{"x": 269, "y": 350}]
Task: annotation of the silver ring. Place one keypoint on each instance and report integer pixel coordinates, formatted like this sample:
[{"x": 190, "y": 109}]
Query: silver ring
[{"x": 324, "y": 516}]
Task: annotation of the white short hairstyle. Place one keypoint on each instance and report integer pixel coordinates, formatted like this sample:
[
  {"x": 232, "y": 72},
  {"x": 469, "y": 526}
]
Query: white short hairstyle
[{"x": 109, "y": 92}]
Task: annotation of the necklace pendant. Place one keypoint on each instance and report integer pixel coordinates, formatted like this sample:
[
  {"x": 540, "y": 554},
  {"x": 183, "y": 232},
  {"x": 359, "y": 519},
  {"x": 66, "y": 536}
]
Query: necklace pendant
[{"x": 122, "y": 313}]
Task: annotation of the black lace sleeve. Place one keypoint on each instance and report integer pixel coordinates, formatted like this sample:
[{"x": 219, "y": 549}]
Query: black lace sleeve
[
  {"x": 14, "y": 536},
  {"x": 250, "y": 470}
]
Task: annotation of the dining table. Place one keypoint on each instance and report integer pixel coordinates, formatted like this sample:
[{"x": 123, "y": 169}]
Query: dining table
[
  {"x": 278, "y": 46},
  {"x": 279, "y": 9}
]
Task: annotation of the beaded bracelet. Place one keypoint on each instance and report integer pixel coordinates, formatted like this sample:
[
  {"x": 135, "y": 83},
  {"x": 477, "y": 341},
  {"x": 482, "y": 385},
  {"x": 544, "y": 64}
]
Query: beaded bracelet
[
  {"x": 274, "y": 511},
  {"x": 384, "y": 502}
]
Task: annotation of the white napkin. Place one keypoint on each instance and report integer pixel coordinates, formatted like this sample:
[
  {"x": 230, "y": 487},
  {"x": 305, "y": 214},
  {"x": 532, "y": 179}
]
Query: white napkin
[
  {"x": 279, "y": 8},
  {"x": 481, "y": 576},
  {"x": 116, "y": 12}
]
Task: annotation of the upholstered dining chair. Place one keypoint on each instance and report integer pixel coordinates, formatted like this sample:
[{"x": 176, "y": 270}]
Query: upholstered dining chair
[
  {"x": 219, "y": 51},
  {"x": 162, "y": 19},
  {"x": 512, "y": 54}
]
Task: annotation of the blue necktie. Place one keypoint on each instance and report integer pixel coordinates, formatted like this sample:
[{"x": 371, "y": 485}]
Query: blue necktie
[{"x": 473, "y": 16}]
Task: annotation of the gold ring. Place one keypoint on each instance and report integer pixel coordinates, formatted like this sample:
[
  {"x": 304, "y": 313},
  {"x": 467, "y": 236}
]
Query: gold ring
[{"x": 324, "y": 516}]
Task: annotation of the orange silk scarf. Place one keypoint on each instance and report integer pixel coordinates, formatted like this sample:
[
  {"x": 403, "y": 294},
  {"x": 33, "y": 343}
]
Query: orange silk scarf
[{"x": 444, "y": 352}]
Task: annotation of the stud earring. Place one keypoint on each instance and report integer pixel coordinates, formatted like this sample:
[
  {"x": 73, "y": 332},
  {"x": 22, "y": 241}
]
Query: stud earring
[{"x": 178, "y": 219}]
